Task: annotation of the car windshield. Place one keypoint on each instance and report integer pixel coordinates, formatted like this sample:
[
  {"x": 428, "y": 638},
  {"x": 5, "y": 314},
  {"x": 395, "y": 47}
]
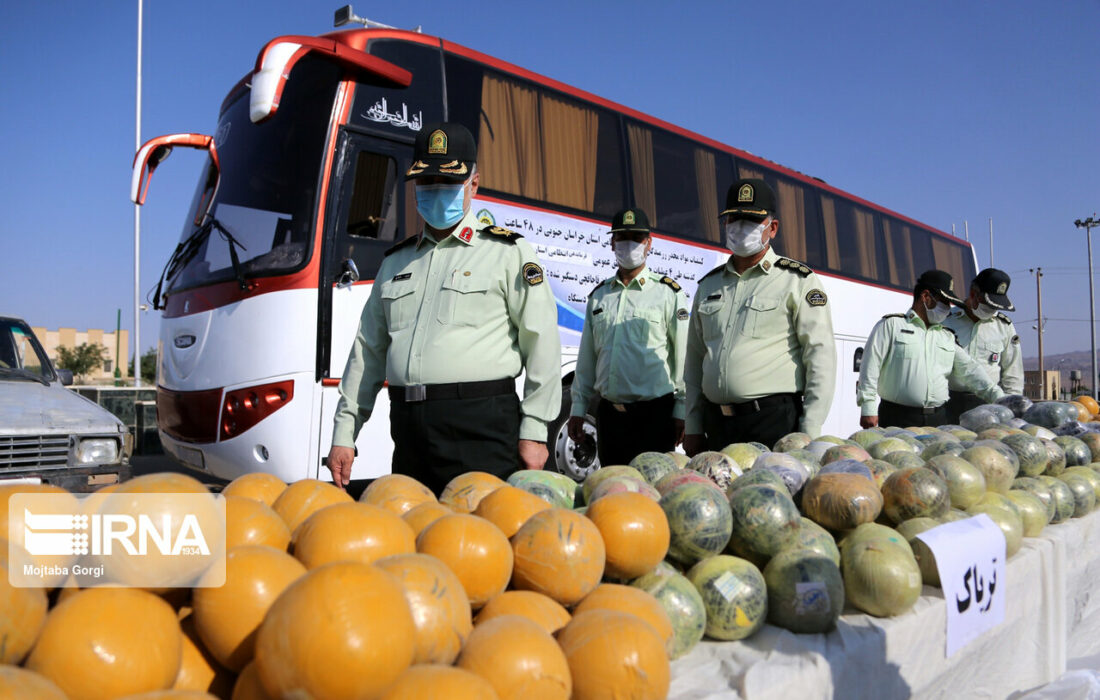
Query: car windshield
[
  {"x": 264, "y": 195},
  {"x": 20, "y": 353}
]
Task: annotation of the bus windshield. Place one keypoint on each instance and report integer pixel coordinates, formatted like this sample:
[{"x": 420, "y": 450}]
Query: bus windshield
[{"x": 265, "y": 193}]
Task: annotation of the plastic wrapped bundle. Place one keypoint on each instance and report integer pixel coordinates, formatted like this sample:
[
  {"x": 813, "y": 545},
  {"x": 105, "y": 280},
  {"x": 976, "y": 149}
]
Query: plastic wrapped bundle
[
  {"x": 880, "y": 579},
  {"x": 848, "y": 466},
  {"x": 794, "y": 473},
  {"x": 1076, "y": 429},
  {"x": 805, "y": 591},
  {"x": 716, "y": 466},
  {"x": 765, "y": 520},
  {"x": 792, "y": 441},
  {"x": 1050, "y": 414},
  {"x": 943, "y": 447},
  {"x": 915, "y": 492},
  {"x": 978, "y": 419},
  {"x": 841, "y": 501},
  {"x": 1016, "y": 403}
]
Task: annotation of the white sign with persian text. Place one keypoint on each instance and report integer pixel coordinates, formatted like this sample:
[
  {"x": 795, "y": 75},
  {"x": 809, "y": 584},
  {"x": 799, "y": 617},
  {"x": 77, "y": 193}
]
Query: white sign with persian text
[
  {"x": 970, "y": 558},
  {"x": 577, "y": 256}
]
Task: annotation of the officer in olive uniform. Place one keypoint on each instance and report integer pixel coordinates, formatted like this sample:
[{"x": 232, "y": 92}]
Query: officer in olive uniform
[
  {"x": 632, "y": 352},
  {"x": 910, "y": 357},
  {"x": 761, "y": 357},
  {"x": 455, "y": 314},
  {"x": 989, "y": 337}
]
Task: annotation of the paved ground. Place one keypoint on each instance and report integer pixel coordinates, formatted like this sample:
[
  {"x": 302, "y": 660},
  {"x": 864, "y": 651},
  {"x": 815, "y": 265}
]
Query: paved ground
[{"x": 151, "y": 464}]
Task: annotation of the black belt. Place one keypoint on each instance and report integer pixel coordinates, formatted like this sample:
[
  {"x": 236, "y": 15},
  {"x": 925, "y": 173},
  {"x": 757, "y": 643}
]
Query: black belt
[
  {"x": 746, "y": 408},
  {"x": 456, "y": 390},
  {"x": 624, "y": 407},
  {"x": 926, "y": 410}
]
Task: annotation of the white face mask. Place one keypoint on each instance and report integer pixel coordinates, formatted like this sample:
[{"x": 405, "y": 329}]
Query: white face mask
[
  {"x": 745, "y": 238},
  {"x": 937, "y": 313},
  {"x": 629, "y": 254},
  {"x": 984, "y": 312}
]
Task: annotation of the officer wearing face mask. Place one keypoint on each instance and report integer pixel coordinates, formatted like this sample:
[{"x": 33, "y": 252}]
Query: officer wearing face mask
[
  {"x": 455, "y": 315},
  {"x": 761, "y": 358},
  {"x": 989, "y": 337},
  {"x": 910, "y": 357},
  {"x": 632, "y": 352}
]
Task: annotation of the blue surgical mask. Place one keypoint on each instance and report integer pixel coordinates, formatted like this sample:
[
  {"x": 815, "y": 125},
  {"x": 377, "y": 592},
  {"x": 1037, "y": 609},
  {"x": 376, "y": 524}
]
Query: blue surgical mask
[{"x": 441, "y": 205}]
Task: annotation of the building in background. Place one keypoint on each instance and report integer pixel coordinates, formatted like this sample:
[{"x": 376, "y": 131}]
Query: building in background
[
  {"x": 1043, "y": 386},
  {"x": 72, "y": 338}
]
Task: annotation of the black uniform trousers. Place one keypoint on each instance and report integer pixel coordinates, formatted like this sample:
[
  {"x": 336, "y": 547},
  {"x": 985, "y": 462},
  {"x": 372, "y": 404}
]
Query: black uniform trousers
[
  {"x": 764, "y": 420},
  {"x": 895, "y": 415},
  {"x": 435, "y": 440},
  {"x": 642, "y": 426},
  {"x": 958, "y": 403}
]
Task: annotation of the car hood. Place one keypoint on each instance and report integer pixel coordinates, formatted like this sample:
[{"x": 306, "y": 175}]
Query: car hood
[{"x": 29, "y": 408}]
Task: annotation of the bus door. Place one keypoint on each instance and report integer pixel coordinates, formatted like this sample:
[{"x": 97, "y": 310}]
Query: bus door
[{"x": 370, "y": 208}]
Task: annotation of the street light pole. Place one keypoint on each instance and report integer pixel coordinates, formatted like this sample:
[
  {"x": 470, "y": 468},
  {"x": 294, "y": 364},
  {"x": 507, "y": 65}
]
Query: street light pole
[
  {"x": 1087, "y": 224},
  {"x": 137, "y": 217}
]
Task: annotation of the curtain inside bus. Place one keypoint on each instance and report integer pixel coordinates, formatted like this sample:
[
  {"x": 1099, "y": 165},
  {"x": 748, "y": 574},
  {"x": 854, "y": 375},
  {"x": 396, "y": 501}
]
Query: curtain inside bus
[
  {"x": 792, "y": 220},
  {"x": 707, "y": 184},
  {"x": 536, "y": 145},
  {"x": 949, "y": 258},
  {"x": 641, "y": 170}
]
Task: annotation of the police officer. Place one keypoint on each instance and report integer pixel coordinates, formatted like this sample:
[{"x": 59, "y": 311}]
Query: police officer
[
  {"x": 910, "y": 357},
  {"x": 455, "y": 314},
  {"x": 632, "y": 352},
  {"x": 989, "y": 337},
  {"x": 761, "y": 358}
]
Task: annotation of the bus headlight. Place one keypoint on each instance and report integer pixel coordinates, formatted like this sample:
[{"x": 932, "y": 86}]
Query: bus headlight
[{"x": 97, "y": 451}]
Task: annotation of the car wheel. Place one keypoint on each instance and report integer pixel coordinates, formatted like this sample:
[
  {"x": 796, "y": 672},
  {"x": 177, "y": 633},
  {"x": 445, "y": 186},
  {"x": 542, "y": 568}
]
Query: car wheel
[{"x": 575, "y": 460}]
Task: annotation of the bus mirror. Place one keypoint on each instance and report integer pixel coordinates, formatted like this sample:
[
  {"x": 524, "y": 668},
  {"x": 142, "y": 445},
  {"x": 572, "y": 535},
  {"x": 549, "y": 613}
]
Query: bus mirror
[
  {"x": 155, "y": 151},
  {"x": 279, "y": 55}
]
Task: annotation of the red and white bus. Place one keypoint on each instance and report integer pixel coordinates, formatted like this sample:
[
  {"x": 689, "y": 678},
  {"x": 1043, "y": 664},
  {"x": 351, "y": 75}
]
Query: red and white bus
[{"x": 303, "y": 191}]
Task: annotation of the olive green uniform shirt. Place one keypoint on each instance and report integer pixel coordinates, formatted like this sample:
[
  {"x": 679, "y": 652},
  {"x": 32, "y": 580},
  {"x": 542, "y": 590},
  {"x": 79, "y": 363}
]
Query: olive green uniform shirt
[
  {"x": 994, "y": 344},
  {"x": 909, "y": 363},
  {"x": 762, "y": 332},
  {"x": 473, "y": 307},
  {"x": 633, "y": 343}
]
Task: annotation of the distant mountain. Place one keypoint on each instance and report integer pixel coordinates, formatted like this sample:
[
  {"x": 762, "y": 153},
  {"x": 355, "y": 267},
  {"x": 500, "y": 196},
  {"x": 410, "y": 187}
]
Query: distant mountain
[{"x": 1064, "y": 362}]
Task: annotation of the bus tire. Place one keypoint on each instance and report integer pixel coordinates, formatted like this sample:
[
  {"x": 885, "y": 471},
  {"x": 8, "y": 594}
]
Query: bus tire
[{"x": 567, "y": 457}]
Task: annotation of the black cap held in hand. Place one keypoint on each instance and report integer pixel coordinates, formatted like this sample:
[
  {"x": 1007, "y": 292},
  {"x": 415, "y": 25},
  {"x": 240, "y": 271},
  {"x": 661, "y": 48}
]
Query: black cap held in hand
[
  {"x": 940, "y": 284},
  {"x": 749, "y": 198},
  {"x": 992, "y": 287},
  {"x": 443, "y": 150}
]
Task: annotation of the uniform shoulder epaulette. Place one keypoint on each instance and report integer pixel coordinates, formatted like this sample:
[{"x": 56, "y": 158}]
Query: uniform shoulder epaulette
[
  {"x": 670, "y": 282},
  {"x": 953, "y": 334},
  {"x": 793, "y": 266},
  {"x": 717, "y": 269},
  {"x": 399, "y": 246},
  {"x": 1002, "y": 318},
  {"x": 894, "y": 316},
  {"x": 599, "y": 285},
  {"x": 502, "y": 234}
]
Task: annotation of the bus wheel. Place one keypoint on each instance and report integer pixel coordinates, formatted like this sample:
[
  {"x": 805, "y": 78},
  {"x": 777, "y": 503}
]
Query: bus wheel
[{"x": 574, "y": 460}]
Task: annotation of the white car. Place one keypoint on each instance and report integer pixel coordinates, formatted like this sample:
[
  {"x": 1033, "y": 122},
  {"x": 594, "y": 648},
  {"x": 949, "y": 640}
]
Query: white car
[{"x": 49, "y": 434}]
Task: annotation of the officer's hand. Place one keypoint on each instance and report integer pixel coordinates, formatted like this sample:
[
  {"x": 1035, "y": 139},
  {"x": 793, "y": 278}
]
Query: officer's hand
[
  {"x": 694, "y": 444},
  {"x": 339, "y": 463},
  {"x": 533, "y": 454},
  {"x": 576, "y": 428},
  {"x": 678, "y": 428},
  {"x": 868, "y": 422}
]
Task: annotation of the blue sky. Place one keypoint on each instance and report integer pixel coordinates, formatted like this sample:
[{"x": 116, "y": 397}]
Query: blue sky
[{"x": 943, "y": 111}]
